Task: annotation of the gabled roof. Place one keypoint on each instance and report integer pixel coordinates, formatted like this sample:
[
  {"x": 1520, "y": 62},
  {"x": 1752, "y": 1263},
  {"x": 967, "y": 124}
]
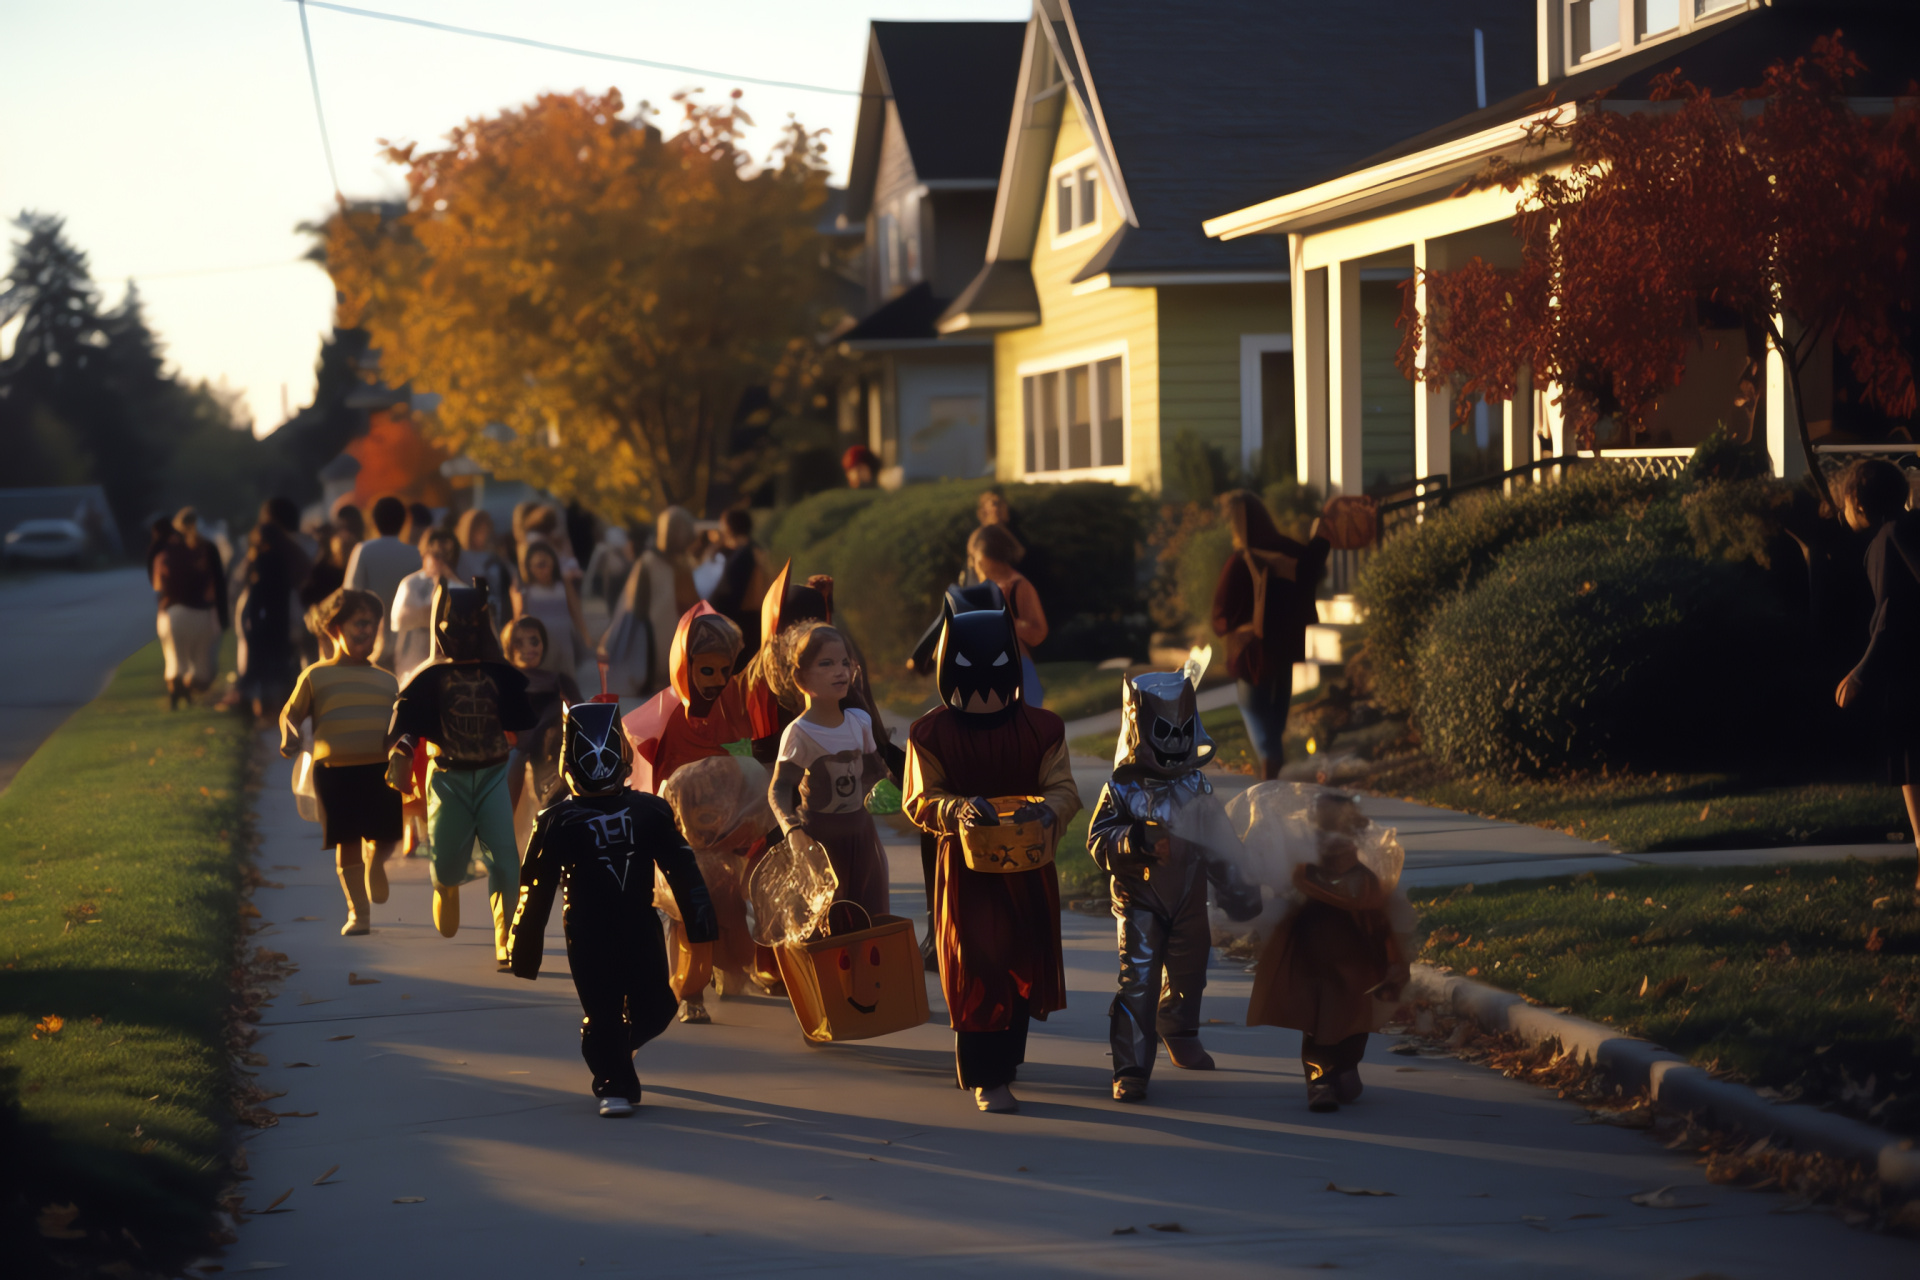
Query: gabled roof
[
  {"x": 1723, "y": 57},
  {"x": 1194, "y": 107},
  {"x": 906, "y": 321},
  {"x": 952, "y": 85}
]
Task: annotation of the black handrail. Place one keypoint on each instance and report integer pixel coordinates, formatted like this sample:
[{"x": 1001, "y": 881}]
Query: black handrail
[{"x": 1439, "y": 490}]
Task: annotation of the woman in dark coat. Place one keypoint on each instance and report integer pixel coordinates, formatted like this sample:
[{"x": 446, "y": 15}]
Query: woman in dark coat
[
  {"x": 1873, "y": 497},
  {"x": 1261, "y": 609}
]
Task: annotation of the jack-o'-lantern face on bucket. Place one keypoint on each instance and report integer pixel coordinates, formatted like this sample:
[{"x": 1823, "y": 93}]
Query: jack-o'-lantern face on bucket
[{"x": 858, "y": 966}]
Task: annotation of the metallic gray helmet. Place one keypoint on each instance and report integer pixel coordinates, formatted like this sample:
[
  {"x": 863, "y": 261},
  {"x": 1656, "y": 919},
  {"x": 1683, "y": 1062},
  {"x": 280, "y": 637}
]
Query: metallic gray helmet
[{"x": 1160, "y": 730}]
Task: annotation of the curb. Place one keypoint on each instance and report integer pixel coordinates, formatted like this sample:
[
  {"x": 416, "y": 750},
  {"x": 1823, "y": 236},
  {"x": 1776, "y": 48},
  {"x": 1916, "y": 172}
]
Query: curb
[{"x": 1673, "y": 1084}]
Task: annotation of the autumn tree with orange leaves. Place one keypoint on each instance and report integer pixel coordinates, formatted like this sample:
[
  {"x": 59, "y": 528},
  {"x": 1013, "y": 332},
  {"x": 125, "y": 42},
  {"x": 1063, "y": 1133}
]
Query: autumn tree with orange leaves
[
  {"x": 588, "y": 297},
  {"x": 1782, "y": 207}
]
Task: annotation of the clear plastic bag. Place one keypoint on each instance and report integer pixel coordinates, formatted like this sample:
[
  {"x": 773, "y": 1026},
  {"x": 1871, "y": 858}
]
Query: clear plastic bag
[
  {"x": 1281, "y": 826},
  {"x": 789, "y": 893}
]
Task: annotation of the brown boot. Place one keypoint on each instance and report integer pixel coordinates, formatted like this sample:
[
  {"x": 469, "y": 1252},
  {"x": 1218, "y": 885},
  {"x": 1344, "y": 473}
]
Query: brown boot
[
  {"x": 1320, "y": 1091},
  {"x": 353, "y": 884},
  {"x": 1346, "y": 1085},
  {"x": 1188, "y": 1053}
]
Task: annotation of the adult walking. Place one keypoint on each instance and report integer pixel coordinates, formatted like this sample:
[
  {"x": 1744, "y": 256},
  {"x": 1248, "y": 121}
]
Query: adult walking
[
  {"x": 192, "y": 586},
  {"x": 658, "y": 590},
  {"x": 378, "y": 565},
  {"x": 1873, "y": 497},
  {"x": 326, "y": 575},
  {"x": 480, "y": 558},
  {"x": 992, "y": 553},
  {"x": 274, "y": 569},
  {"x": 1261, "y": 608},
  {"x": 412, "y": 614},
  {"x": 745, "y": 579}
]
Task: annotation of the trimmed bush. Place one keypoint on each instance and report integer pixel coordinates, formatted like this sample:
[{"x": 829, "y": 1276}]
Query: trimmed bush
[
  {"x": 1610, "y": 643},
  {"x": 892, "y": 554},
  {"x": 1414, "y": 575}
]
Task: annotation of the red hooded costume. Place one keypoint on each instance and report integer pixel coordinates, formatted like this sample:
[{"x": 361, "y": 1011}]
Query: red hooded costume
[{"x": 667, "y": 732}]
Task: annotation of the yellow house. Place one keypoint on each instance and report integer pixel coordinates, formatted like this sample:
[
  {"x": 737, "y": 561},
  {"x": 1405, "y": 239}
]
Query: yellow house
[{"x": 1119, "y": 328}]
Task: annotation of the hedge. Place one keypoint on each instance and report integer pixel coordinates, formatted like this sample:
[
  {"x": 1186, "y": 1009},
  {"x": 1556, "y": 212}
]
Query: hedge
[
  {"x": 1610, "y": 643},
  {"x": 1414, "y": 575},
  {"x": 892, "y": 555}
]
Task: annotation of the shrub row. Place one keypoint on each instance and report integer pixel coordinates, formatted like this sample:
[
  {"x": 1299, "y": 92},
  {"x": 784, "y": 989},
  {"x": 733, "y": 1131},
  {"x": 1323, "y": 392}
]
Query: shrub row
[{"x": 892, "y": 555}]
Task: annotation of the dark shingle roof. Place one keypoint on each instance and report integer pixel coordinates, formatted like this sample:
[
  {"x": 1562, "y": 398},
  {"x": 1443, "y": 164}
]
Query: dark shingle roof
[
  {"x": 953, "y": 84},
  {"x": 1215, "y": 106},
  {"x": 907, "y": 318},
  {"x": 1724, "y": 57}
]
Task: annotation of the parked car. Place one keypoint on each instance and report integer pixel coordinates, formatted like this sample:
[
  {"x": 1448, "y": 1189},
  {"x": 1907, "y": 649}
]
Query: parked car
[{"x": 47, "y": 542}]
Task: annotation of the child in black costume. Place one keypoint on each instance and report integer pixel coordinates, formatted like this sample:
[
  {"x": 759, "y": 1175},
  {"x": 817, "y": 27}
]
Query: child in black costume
[{"x": 605, "y": 840}]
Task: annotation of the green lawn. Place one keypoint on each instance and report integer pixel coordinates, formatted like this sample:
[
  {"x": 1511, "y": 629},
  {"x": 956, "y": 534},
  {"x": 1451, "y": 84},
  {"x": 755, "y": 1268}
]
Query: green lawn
[
  {"x": 119, "y": 910},
  {"x": 1644, "y": 813},
  {"x": 1802, "y": 978}
]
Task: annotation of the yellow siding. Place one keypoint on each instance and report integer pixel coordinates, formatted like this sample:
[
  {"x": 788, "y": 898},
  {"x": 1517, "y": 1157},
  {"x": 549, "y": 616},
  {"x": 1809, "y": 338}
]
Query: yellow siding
[
  {"x": 1200, "y": 329},
  {"x": 1069, "y": 324}
]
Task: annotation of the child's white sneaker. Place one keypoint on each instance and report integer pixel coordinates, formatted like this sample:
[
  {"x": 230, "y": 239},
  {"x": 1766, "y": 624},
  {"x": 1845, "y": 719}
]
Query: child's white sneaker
[{"x": 611, "y": 1108}]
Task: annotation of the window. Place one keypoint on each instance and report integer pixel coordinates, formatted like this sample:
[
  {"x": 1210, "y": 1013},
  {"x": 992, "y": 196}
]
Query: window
[
  {"x": 1076, "y": 199},
  {"x": 1596, "y": 27},
  {"x": 1075, "y": 417},
  {"x": 1657, "y": 17},
  {"x": 1701, "y": 8},
  {"x": 899, "y": 243}
]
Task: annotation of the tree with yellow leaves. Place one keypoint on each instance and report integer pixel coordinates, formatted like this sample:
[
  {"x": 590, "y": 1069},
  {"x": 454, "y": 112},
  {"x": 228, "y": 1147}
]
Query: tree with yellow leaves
[{"x": 588, "y": 297}]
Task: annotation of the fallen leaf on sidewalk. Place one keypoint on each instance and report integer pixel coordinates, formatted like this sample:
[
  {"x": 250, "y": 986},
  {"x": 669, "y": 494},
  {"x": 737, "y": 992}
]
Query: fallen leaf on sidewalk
[
  {"x": 278, "y": 1200},
  {"x": 331, "y": 1039},
  {"x": 1663, "y": 1198},
  {"x": 409, "y": 1199},
  {"x": 1126, "y": 1231},
  {"x": 296, "y": 1064},
  {"x": 1405, "y": 1050},
  {"x": 1356, "y": 1191},
  {"x": 306, "y": 999},
  {"x": 1166, "y": 1226},
  {"x": 305, "y": 919},
  {"x": 355, "y": 980},
  {"x": 256, "y": 1266},
  {"x": 298, "y": 1115},
  {"x": 1575, "y": 1217},
  {"x": 321, "y": 1181}
]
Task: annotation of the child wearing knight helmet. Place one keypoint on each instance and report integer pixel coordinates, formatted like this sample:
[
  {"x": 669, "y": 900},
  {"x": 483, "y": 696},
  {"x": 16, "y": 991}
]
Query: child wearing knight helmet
[
  {"x": 602, "y": 843},
  {"x": 997, "y": 934},
  {"x": 1163, "y": 835},
  {"x": 349, "y": 700},
  {"x": 467, "y": 706}
]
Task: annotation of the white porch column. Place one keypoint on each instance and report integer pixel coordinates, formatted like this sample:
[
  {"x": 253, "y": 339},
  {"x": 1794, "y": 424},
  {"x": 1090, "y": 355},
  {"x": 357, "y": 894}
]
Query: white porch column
[
  {"x": 1517, "y": 442},
  {"x": 1779, "y": 405},
  {"x": 1308, "y": 298},
  {"x": 1344, "y": 416},
  {"x": 1432, "y": 407}
]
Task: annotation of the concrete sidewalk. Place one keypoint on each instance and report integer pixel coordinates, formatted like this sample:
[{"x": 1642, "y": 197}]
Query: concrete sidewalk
[{"x": 756, "y": 1154}]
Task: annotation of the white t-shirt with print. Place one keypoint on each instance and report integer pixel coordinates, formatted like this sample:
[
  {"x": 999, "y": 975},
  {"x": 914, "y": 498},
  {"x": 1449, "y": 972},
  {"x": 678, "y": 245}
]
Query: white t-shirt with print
[{"x": 833, "y": 760}]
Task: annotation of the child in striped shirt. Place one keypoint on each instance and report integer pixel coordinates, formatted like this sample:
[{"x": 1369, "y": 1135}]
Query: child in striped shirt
[{"x": 350, "y": 702}]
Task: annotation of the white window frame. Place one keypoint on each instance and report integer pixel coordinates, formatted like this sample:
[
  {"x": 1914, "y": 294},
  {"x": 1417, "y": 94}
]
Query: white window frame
[
  {"x": 1252, "y": 406},
  {"x": 1073, "y": 164},
  {"x": 1060, "y": 363},
  {"x": 1630, "y": 38}
]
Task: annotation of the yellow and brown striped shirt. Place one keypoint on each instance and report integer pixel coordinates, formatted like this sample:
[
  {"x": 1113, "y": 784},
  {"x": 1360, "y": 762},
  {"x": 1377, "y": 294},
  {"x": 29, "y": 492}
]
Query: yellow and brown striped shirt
[{"x": 351, "y": 704}]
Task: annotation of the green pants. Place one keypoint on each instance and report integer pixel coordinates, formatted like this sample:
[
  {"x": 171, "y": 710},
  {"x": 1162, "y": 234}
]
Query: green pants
[{"x": 463, "y": 804}]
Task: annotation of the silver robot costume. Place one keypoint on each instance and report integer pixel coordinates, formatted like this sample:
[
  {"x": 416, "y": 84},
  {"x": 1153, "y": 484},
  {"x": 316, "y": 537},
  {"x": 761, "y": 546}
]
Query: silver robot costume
[{"x": 1158, "y": 791}]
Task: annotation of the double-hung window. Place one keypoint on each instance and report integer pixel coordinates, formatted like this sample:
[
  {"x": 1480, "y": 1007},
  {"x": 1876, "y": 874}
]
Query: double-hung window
[
  {"x": 1075, "y": 418},
  {"x": 1076, "y": 199}
]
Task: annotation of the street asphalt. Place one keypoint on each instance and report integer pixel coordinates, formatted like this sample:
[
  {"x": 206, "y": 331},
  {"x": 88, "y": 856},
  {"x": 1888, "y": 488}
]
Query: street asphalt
[
  {"x": 64, "y": 635},
  {"x": 451, "y": 1107}
]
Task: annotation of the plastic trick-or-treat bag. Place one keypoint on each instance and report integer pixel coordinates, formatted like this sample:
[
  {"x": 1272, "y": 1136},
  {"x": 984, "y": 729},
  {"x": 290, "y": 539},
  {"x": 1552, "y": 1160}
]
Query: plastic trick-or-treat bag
[
  {"x": 721, "y": 806},
  {"x": 789, "y": 894},
  {"x": 1282, "y": 826}
]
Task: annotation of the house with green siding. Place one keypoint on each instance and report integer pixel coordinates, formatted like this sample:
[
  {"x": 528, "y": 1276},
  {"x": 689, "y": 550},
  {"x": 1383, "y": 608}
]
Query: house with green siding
[{"x": 1118, "y": 325}]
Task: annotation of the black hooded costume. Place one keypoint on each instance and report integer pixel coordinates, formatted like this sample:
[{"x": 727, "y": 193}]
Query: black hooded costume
[
  {"x": 997, "y": 935},
  {"x": 601, "y": 844}
]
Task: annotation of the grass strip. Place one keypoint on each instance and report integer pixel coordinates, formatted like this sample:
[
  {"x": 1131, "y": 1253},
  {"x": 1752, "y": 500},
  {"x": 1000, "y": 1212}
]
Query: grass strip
[
  {"x": 1802, "y": 978},
  {"x": 119, "y": 908},
  {"x": 1647, "y": 813}
]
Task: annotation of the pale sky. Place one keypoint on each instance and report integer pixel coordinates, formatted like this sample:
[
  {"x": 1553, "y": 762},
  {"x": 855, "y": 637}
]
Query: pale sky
[{"x": 179, "y": 138}]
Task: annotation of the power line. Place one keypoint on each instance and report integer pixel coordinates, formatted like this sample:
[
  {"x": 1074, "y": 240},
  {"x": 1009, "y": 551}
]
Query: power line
[
  {"x": 313, "y": 77},
  {"x": 553, "y": 48}
]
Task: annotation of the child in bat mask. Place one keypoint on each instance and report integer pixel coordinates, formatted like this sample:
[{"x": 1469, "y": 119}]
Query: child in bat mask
[{"x": 602, "y": 844}]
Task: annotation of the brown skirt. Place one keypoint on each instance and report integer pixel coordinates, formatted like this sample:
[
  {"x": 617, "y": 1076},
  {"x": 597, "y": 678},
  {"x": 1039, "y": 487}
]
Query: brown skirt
[
  {"x": 1317, "y": 971},
  {"x": 853, "y": 847}
]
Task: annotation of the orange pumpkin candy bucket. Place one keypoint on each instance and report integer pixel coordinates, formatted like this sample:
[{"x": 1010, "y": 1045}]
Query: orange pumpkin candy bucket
[{"x": 856, "y": 985}]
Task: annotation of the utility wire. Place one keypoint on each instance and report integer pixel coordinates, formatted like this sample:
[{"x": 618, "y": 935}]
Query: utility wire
[
  {"x": 554, "y": 48},
  {"x": 313, "y": 77}
]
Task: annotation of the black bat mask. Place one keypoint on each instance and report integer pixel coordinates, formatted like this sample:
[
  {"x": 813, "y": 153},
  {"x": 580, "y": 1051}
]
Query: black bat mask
[
  {"x": 462, "y": 621},
  {"x": 595, "y": 758},
  {"x": 1160, "y": 730},
  {"x": 978, "y": 662}
]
